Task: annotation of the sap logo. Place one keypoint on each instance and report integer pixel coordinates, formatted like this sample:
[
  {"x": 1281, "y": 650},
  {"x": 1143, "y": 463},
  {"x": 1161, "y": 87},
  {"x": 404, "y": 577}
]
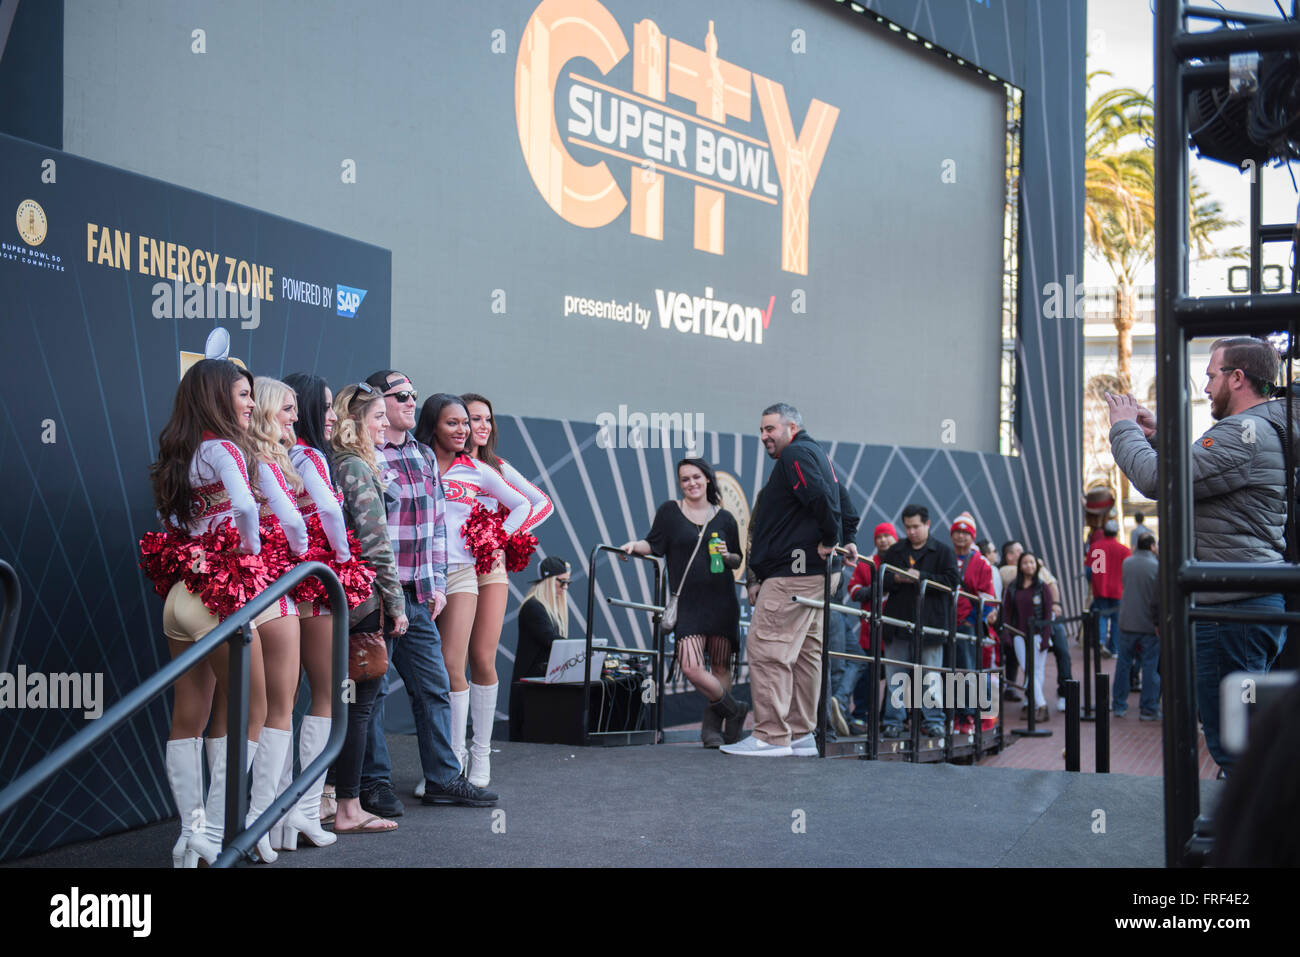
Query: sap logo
[{"x": 349, "y": 300}]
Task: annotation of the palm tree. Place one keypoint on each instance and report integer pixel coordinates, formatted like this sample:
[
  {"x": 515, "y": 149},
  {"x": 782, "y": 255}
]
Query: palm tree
[{"x": 1119, "y": 210}]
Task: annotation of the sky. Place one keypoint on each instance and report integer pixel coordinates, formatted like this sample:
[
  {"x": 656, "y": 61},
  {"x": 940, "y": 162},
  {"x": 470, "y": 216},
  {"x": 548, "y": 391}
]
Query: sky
[{"x": 1120, "y": 41}]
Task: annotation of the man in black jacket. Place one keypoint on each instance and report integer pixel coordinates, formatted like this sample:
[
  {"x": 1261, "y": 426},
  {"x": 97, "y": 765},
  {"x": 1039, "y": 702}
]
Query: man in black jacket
[
  {"x": 799, "y": 518},
  {"x": 924, "y": 558}
]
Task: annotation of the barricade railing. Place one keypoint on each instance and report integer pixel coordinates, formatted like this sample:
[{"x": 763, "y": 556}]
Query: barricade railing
[
  {"x": 13, "y": 592},
  {"x": 876, "y": 660},
  {"x": 236, "y": 631},
  {"x": 656, "y": 610}
]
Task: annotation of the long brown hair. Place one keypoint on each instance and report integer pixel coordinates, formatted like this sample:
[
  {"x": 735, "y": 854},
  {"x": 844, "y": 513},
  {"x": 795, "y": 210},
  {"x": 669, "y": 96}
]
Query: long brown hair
[
  {"x": 203, "y": 404},
  {"x": 487, "y": 452}
]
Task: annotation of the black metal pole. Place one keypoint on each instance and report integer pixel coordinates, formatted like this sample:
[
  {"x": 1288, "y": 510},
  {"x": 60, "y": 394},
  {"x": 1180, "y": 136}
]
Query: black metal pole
[
  {"x": 591, "y": 617},
  {"x": 1091, "y": 659},
  {"x": 1072, "y": 725},
  {"x": 660, "y": 646},
  {"x": 240, "y": 659},
  {"x": 1182, "y": 795},
  {"x": 823, "y": 702},
  {"x": 916, "y": 714},
  {"x": 1103, "y": 725},
  {"x": 874, "y": 678},
  {"x": 13, "y": 605}
]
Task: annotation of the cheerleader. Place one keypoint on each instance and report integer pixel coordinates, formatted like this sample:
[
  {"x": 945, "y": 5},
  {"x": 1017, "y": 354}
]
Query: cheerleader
[
  {"x": 207, "y": 564},
  {"x": 284, "y": 538},
  {"x": 493, "y": 586},
  {"x": 327, "y": 536},
  {"x": 475, "y": 545}
]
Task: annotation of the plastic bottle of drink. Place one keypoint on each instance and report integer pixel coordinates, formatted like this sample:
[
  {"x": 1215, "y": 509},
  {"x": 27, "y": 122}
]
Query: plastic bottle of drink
[{"x": 716, "y": 548}]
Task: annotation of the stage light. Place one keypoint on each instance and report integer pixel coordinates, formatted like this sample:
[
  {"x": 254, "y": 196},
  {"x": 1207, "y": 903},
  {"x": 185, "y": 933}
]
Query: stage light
[{"x": 1255, "y": 116}]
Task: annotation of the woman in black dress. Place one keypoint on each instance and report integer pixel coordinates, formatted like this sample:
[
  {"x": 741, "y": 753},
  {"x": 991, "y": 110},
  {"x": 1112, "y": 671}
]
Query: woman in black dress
[{"x": 708, "y": 615}]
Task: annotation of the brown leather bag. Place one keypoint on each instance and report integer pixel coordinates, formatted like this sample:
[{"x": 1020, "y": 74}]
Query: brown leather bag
[{"x": 367, "y": 653}]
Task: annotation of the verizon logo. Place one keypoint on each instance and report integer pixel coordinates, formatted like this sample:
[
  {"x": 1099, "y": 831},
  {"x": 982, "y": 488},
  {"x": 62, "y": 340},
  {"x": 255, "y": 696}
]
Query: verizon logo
[{"x": 706, "y": 316}]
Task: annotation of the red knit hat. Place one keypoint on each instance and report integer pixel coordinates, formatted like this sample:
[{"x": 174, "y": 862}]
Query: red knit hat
[
  {"x": 884, "y": 528},
  {"x": 965, "y": 522}
]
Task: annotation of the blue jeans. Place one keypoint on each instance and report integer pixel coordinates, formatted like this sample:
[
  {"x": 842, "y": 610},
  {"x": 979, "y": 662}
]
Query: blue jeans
[
  {"x": 1228, "y": 646},
  {"x": 1149, "y": 703},
  {"x": 1108, "y": 624},
  {"x": 891, "y": 716},
  {"x": 417, "y": 658}
]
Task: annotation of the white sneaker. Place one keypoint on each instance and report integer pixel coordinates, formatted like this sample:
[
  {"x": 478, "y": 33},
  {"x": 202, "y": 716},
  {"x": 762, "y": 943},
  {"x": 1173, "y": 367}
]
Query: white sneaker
[
  {"x": 1060, "y": 704},
  {"x": 419, "y": 789},
  {"x": 805, "y": 747},
  {"x": 753, "y": 747}
]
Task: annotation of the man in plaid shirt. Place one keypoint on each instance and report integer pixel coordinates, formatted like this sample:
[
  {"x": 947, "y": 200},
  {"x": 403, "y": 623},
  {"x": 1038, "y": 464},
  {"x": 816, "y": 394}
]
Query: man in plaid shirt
[{"x": 417, "y": 527}]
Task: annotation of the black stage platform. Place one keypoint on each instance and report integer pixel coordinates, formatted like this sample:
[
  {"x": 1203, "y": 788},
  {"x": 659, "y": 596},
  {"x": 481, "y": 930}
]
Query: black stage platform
[{"x": 680, "y": 805}]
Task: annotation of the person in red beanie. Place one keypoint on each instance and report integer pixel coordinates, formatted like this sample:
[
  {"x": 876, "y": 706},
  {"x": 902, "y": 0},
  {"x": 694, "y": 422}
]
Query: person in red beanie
[
  {"x": 857, "y": 678},
  {"x": 976, "y": 579}
]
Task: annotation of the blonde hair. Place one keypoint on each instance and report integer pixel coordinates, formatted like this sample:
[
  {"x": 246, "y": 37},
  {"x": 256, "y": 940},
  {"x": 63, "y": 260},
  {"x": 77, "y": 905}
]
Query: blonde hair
[
  {"x": 266, "y": 433},
  {"x": 350, "y": 435},
  {"x": 552, "y": 598}
]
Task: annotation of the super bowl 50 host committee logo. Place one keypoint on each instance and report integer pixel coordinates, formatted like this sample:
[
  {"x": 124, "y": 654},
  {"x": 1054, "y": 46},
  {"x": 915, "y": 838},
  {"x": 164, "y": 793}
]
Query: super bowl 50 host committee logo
[
  {"x": 640, "y": 128},
  {"x": 32, "y": 224}
]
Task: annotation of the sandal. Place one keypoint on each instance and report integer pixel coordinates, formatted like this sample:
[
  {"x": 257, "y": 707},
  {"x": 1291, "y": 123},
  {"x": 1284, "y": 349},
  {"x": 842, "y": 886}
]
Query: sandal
[
  {"x": 328, "y": 804},
  {"x": 364, "y": 828}
]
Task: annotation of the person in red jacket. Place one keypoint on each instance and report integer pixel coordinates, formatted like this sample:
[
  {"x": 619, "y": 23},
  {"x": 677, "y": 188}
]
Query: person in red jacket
[
  {"x": 857, "y": 678},
  {"x": 976, "y": 579},
  {"x": 1105, "y": 558}
]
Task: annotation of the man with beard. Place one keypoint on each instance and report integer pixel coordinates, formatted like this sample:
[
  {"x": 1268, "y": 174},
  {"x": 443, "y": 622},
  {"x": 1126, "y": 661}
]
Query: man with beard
[
  {"x": 1239, "y": 486},
  {"x": 796, "y": 524}
]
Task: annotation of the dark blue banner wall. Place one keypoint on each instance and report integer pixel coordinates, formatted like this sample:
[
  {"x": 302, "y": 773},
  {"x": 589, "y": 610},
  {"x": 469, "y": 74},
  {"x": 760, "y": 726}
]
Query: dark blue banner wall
[{"x": 94, "y": 266}]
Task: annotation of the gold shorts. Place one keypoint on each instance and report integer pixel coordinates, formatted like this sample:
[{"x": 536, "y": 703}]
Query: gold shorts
[
  {"x": 284, "y": 608},
  {"x": 185, "y": 617},
  {"x": 498, "y": 576},
  {"x": 461, "y": 580}
]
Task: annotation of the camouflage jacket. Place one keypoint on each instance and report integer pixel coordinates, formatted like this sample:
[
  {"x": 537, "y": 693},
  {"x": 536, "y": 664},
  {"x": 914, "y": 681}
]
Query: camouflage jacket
[{"x": 366, "y": 513}]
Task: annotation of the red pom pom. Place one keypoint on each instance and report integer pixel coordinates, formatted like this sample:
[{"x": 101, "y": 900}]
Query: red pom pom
[
  {"x": 162, "y": 556},
  {"x": 483, "y": 534},
  {"x": 355, "y": 575},
  {"x": 519, "y": 546},
  {"x": 221, "y": 574}
]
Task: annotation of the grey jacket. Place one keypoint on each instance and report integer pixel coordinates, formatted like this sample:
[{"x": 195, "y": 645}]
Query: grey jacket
[
  {"x": 1238, "y": 482},
  {"x": 1139, "y": 609}
]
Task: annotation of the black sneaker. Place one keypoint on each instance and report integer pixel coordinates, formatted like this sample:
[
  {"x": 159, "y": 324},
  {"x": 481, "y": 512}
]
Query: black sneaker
[
  {"x": 892, "y": 731},
  {"x": 381, "y": 799},
  {"x": 858, "y": 728},
  {"x": 459, "y": 791}
]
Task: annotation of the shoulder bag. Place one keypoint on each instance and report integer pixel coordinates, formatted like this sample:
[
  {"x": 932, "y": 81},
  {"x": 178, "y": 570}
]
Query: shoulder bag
[{"x": 669, "y": 620}]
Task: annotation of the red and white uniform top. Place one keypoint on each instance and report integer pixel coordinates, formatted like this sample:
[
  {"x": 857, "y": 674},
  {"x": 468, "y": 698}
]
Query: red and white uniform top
[
  {"x": 540, "y": 507},
  {"x": 319, "y": 498},
  {"x": 279, "y": 504},
  {"x": 466, "y": 482},
  {"x": 222, "y": 491}
]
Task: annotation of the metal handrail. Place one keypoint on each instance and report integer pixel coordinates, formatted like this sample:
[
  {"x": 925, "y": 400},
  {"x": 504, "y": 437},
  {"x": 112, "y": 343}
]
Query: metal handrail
[
  {"x": 13, "y": 591},
  {"x": 656, "y": 610},
  {"x": 239, "y": 839},
  {"x": 876, "y": 659}
]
